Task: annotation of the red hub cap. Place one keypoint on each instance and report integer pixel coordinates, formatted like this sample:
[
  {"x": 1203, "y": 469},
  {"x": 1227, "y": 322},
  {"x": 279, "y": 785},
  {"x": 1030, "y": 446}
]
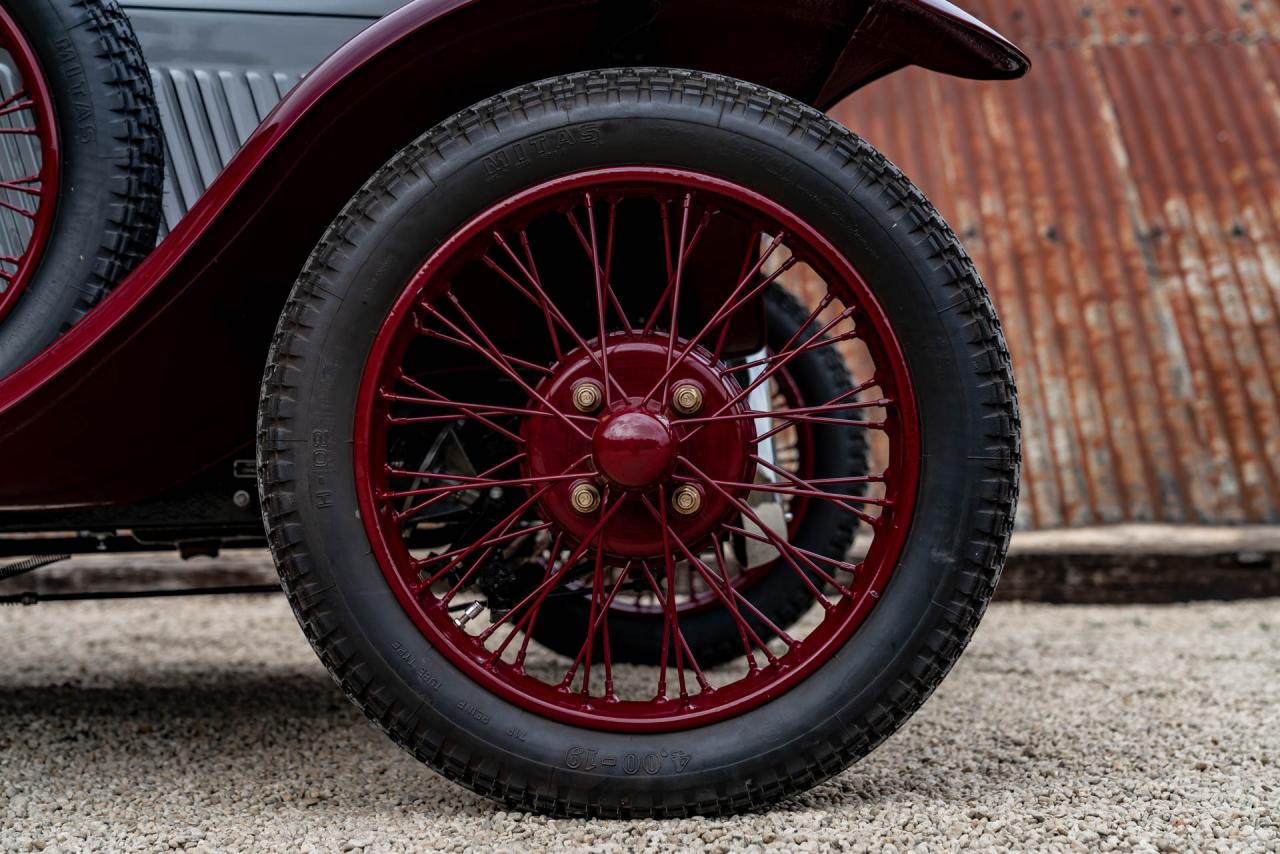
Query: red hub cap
[
  {"x": 633, "y": 448},
  {"x": 597, "y": 435},
  {"x": 28, "y": 165}
]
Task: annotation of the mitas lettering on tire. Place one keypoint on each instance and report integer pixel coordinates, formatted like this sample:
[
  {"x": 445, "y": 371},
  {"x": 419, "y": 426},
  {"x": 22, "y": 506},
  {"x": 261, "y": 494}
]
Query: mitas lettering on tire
[{"x": 625, "y": 447}]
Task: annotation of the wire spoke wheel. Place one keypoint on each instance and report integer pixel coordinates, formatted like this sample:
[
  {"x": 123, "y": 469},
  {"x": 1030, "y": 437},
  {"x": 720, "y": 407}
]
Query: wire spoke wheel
[
  {"x": 28, "y": 163},
  {"x": 638, "y": 443},
  {"x": 618, "y": 431}
]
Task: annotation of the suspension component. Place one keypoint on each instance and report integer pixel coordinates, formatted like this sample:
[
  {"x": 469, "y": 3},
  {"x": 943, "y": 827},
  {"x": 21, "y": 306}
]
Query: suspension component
[{"x": 31, "y": 564}]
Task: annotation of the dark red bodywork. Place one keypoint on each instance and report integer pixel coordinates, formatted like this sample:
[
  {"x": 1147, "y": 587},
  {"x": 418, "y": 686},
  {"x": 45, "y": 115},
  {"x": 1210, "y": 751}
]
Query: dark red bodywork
[{"x": 160, "y": 382}]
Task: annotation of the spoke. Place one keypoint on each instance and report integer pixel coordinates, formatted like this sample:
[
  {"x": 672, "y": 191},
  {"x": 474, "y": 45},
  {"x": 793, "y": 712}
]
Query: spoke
[
  {"x": 489, "y": 545},
  {"x": 834, "y": 498},
  {"x": 734, "y": 301},
  {"x": 669, "y": 605},
  {"x": 584, "y": 652},
  {"x": 811, "y": 419},
  {"x": 601, "y": 286},
  {"x": 870, "y": 520},
  {"x": 605, "y": 646},
  {"x": 777, "y": 631},
  {"x": 20, "y": 211},
  {"x": 480, "y": 408},
  {"x": 19, "y": 131},
  {"x": 498, "y": 361},
  {"x": 492, "y": 425},
  {"x": 541, "y": 299},
  {"x": 468, "y": 344},
  {"x": 496, "y": 540},
  {"x": 9, "y": 106},
  {"x": 412, "y": 511},
  {"x": 861, "y": 478},
  {"x": 608, "y": 267},
  {"x": 681, "y": 645},
  {"x": 599, "y": 622},
  {"x": 812, "y": 345},
  {"x": 511, "y": 460},
  {"x": 756, "y": 414},
  {"x": 500, "y": 528},
  {"x": 597, "y": 593},
  {"x": 604, "y": 284},
  {"x": 21, "y": 93},
  {"x": 744, "y": 629},
  {"x": 786, "y": 354},
  {"x": 726, "y": 594},
  {"x": 744, "y": 272},
  {"x": 838, "y": 565},
  {"x": 675, "y": 297},
  {"x": 458, "y": 556},
  {"x": 539, "y": 594},
  {"x": 784, "y": 548},
  {"x": 671, "y": 275},
  {"x": 802, "y": 491},
  {"x": 768, "y": 372},
  {"x": 528, "y": 632},
  {"x": 23, "y": 185},
  {"x": 463, "y": 484}
]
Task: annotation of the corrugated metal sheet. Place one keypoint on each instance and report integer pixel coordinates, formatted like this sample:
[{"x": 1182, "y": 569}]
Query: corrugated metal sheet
[
  {"x": 207, "y": 115},
  {"x": 1123, "y": 204},
  {"x": 217, "y": 74}
]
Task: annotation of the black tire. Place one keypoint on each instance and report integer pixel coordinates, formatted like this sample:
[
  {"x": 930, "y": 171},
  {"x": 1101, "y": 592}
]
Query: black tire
[
  {"x": 112, "y": 166},
  {"x": 931, "y": 295},
  {"x": 819, "y": 375}
]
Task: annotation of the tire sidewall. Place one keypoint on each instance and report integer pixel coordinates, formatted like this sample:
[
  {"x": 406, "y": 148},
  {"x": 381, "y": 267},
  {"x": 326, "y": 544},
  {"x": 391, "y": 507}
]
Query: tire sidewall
[
  {"x": 65, "y": 280},
  {"x": 437, "y": 711}
]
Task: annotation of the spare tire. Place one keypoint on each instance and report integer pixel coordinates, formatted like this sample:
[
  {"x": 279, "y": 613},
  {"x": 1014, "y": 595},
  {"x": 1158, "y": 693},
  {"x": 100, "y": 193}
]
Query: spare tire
[{"x": 81, "y": 165}]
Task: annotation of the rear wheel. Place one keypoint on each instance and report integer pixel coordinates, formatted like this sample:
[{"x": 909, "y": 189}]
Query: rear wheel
[
  {"x": 519, "y": 369},
  {"x": 81, "y": 165}
]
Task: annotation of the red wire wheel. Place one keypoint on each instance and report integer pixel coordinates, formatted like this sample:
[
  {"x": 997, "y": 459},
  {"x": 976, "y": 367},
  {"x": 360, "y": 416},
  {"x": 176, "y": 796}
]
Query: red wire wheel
[
  {"x": 28, "y": 163},
  {"x": 530, "y": 424}
]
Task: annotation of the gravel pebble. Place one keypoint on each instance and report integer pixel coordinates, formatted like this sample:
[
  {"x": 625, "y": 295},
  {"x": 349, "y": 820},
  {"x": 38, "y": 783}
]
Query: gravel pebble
[{"x": 208, "y": 725}]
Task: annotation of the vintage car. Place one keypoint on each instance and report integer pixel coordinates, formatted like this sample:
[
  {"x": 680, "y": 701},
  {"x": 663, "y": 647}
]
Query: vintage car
[{"x": 631, "y": 438}]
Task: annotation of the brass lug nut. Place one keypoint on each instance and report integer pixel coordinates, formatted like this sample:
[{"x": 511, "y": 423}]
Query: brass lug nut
[
  {"x": 587, "y": 397},
  {"x": 686, "y": 399},
  {"x": 585, "y": 498},
  {"x": 686, "y": 499}
]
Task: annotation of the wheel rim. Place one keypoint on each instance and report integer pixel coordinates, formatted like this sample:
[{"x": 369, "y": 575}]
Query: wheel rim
[
  {"x": 633, "y": 450},
  {"x": 28, "y": 164}
]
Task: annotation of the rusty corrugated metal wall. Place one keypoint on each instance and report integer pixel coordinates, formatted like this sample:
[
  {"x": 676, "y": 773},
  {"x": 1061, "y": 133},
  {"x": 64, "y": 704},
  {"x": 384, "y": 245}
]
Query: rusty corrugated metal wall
[{"x": 1123, "y": 204}]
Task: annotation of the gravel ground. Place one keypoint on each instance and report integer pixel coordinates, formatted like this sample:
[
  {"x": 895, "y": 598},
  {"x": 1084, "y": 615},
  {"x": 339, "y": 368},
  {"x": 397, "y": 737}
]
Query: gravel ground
[{"x": 209, "y": 725}]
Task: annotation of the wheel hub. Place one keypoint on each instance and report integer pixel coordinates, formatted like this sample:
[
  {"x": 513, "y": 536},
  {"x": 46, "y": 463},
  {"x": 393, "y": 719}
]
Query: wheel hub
[
  {"x": 639, "y": 444},
  {"x": 634, "y": 448}
]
